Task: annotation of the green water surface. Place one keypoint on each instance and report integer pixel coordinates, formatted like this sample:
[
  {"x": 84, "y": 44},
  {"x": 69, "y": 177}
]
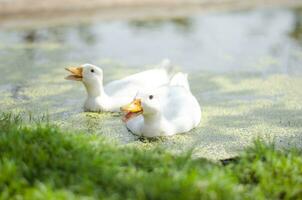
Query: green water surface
[{"x": 244, "y": 68}]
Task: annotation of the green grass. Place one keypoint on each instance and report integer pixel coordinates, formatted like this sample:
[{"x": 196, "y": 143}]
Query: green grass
[{"x": 40, "y": 161}]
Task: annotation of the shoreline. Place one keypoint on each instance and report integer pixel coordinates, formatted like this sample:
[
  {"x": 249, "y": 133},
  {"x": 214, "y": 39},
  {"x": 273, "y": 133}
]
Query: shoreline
[{"x": 17, "y": 14}]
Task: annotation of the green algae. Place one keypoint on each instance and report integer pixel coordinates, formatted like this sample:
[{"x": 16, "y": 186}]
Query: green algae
[{"x": 234, "y": 113}]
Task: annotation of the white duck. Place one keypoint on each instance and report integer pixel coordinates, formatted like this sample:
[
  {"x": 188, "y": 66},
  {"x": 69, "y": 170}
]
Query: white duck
[
  {"x": 164, "y": 111},
  {"x": 116, "y": 93}
]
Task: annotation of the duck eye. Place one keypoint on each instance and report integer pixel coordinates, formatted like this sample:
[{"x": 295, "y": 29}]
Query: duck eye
[
  {"x": 92, "y": 70},
  {"x": 151, "y": 97}
]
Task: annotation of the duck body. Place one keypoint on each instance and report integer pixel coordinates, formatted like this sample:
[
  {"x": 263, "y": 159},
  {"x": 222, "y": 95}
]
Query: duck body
[
  {"x": 112, "y": 96},
  {"x": 172, "y": 110},
  {"x": 131, "y": 85}
]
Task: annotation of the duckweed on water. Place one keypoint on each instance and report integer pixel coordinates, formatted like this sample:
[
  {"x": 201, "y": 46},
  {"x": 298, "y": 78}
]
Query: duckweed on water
[{"x": 40, "y": 161}]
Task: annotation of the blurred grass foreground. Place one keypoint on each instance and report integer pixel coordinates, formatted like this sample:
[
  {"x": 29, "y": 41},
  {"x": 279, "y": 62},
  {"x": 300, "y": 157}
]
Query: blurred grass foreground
[{"x": 40, "y": 161}]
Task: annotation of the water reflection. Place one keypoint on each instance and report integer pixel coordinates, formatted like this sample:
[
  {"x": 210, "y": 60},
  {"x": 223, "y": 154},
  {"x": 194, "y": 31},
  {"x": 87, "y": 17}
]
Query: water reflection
[
  {"x": 297, "y": 31},
  {"x": 264, "y": 40},
  {"x": 181, "y": 24},
  {"x": 30, "y": 36},
  {"x": 87, "y": 34}
]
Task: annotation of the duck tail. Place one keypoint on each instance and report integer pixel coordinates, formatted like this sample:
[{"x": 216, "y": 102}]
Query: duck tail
[
  {"x": 180, "y": 79},
  {"x": 167, "y": 66}
]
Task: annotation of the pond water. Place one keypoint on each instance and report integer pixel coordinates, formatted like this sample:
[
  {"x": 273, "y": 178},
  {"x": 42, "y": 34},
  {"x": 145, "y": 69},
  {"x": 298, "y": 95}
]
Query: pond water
[{"x": 244, "y": 67}]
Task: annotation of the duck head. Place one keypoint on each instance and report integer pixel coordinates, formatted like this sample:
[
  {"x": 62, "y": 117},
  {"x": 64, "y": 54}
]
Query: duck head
[
  {"x": 146, "y": 104},
  {"x": 87, "y": 73},
  {"x": 90, "y": 75}
]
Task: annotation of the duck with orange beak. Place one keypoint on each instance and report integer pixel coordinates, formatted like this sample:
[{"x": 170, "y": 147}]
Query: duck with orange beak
[
  {"x": 165, "y": 111},
  {"x": 112, "y": 96}
]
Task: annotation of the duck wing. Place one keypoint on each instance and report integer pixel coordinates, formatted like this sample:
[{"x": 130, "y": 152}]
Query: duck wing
[{"x": 145, "y": 80}]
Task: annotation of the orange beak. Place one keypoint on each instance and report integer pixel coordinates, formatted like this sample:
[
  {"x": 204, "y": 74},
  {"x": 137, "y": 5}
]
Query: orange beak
[
  {"x": 132, "y": 109},
  {"x": 76, "y": 73}
]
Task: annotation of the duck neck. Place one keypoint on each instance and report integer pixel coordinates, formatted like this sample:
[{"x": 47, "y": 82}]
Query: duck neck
[
  {"x": 95, "y": 90},
  {"x": 151, "y": 121}
]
